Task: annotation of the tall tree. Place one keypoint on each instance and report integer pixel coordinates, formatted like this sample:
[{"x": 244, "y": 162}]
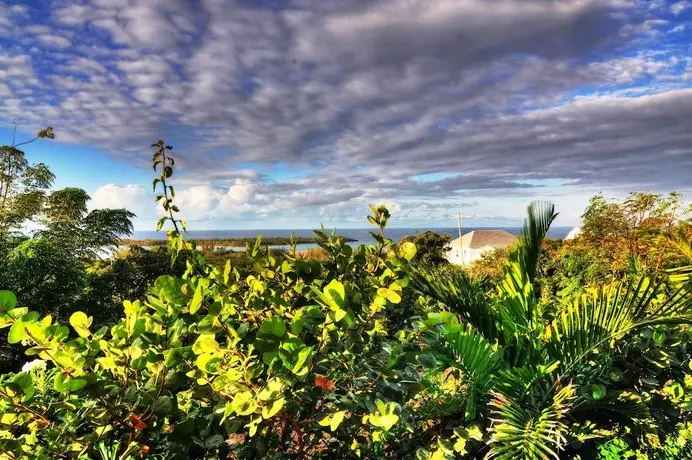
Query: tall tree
[
  {"x": 69, "y": 223},
  {"x": 23, "y": 186},
  {"x": 633, "y": 230}
]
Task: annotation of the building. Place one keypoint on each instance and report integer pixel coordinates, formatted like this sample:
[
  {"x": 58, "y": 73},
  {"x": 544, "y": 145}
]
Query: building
[
  {"x": 469, "y": 248},
  {"x": 573, "y": 233}
]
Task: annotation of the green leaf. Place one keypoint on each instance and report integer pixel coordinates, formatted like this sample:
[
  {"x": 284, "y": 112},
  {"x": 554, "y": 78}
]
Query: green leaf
[
  {"x": 26, "y": 384},
  {"x": 659, "y": 337},
  {"x": 386, "y": 421},
  {"x": 244, "y": 403},
  {"x": 227, "y": 271},
  {"x": 208, "y": 363},
  {"x": 272, "y": 389},
  {"x": 75, "y": 384},
  {"x": 59, "y": 383},
  {"x": 389, "y": 294},
  {"x": 16, "y": 333},
  {"x": 197, "y": 299},
  {"x": 10, "y": 445},
  {"x": 407, "y": 250},
  {"x": 81, "y": 322},
  {"x": 169, "y": 288},
  {"x": 205, "y": 343},
  {"x": 304, "y": 356},
  {"x": 333, "y": 295},
  {"x": 273, "y": 326},
  {"x": 460, "y": 446},
  {"x": 598, "y": 392},
  {"x": 273, "y": 408},
  {"x": 333, "y": 421},
  {"x": 385, "y": 417},
  {"x": 7, "y": 300},
  {"x": 166, "y": 406},
  {"x": 337, "y": 418},
  {"x": 213, "y": 441},
  {"x": 256, "y": 246},
  {"x": 18, "y": 312}
]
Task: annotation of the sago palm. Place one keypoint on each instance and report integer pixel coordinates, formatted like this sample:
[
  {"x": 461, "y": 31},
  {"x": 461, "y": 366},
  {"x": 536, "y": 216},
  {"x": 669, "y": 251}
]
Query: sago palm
[{"x": 525, "y": 371}]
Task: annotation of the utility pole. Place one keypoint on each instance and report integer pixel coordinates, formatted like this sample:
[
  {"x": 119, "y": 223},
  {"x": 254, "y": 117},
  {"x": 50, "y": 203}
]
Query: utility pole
[{"x": 461, "y": 244}]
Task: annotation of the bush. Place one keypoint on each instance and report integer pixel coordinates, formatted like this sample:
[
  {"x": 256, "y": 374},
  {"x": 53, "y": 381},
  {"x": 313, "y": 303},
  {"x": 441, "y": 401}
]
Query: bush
[{"x": 298, "y": 352}]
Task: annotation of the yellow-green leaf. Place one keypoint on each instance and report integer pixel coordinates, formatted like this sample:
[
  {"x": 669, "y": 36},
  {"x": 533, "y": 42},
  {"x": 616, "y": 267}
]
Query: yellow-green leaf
[
  {"x": 273, "y": 408},
  {"x": 16, "y": 333},
  {"x": 81, "y": 322},
  {"x": 386, "y": 421},
  {"x": 7, "y": 300},
  {"x": 205, "y": 343},
  {"x": 407, "y": 250},
  {"x": 244, "y": 403},
  {"x": 337, "y": 418},
  {"x": 389, "y": 294},
  {"x": 196, "y": 301},
  {"x": 460, "y": 446}
]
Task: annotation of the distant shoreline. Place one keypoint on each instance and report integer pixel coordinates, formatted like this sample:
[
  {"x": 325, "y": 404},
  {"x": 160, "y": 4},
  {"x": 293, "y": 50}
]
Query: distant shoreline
[{"x": 228, "y": 242}]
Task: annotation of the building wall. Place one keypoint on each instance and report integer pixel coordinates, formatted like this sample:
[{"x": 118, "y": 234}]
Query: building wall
[{"x": 470, "y": 255}]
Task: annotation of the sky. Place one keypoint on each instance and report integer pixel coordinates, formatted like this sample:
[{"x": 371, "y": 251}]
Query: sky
[{"x": 288, "y": 114}]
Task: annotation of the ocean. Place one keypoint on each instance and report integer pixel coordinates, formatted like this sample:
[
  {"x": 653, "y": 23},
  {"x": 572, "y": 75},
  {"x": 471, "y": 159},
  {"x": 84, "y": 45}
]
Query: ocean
[{"x": 360, "y": 235}]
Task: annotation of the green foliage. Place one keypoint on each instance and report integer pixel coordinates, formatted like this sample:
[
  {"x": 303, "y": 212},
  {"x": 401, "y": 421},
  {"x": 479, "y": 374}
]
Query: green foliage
[
  {"x": 544, "y": 367},
  {"x": 48, "y": 270},
  {"x": 366, "y": 354},
  {"x": 22, "y": 185},
  {"x": 490, "y": 265},
  {"x": 636, "y": 228},
  {"x": 431, "y": 247}
]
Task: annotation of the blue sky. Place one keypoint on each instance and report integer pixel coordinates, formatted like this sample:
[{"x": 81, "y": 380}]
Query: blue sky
[{"x": 288, "y": 114}]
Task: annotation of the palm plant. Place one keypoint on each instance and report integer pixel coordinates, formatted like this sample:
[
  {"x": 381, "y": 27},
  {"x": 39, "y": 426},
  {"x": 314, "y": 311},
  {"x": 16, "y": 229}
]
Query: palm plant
[{"x": 532, "y": 375}]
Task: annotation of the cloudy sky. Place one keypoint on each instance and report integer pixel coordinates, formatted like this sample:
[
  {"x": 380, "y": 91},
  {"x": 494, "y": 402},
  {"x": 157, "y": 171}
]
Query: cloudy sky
[{"x": 289, "y": 113}]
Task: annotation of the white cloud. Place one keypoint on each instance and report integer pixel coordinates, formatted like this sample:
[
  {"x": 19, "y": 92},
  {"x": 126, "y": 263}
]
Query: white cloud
[
  {"x": 54, "y": 41},
  {"x": 131, "y": 197},
  {"x": 362, "y": 96},
  {"x": 679, "y": 7}
]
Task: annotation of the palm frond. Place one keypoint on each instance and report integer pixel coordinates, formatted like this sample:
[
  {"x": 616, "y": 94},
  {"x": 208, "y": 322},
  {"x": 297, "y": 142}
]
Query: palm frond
[
  {"x": 526, "y": 431},
  {"x": 529, "y": 383},
  {"x": 517, "y": 299},
  {"x": 541, "y": 216},
  {"x": 475, "y": 357},
  {"x": 680, "y": 241},
  {"x": 625, "y": 403},
  {"x": 461, "y": 294},
  {"x": 607, "y": 314},
  {"x": 680, "y": 275},
  {"x": 517, "y": 303}
]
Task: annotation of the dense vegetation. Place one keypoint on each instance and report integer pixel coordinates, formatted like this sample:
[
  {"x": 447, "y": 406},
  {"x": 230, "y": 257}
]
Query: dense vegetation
[
  {"x": 50, "y": 268},
  {"x": 380, "y": 351}
]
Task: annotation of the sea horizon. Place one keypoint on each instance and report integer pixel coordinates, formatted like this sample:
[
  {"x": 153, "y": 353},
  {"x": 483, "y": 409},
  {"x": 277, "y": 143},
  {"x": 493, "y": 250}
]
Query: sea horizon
[{"x": 359, "y": 235}]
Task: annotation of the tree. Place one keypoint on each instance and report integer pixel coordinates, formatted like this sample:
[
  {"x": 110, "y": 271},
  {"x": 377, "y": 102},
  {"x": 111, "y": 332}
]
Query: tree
[
  {"x": 490, "y": 264},
  {"x": 47, "y": 271},
  {"x": 87, "y": 234},
  {"x": 431, "y": 247},
  {"x": 22, "y": 185},
  {"x": 632, "y": 230}
]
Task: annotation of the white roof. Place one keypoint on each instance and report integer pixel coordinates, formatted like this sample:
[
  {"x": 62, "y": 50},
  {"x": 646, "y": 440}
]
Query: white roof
[{"x": 498, "y": 239}]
